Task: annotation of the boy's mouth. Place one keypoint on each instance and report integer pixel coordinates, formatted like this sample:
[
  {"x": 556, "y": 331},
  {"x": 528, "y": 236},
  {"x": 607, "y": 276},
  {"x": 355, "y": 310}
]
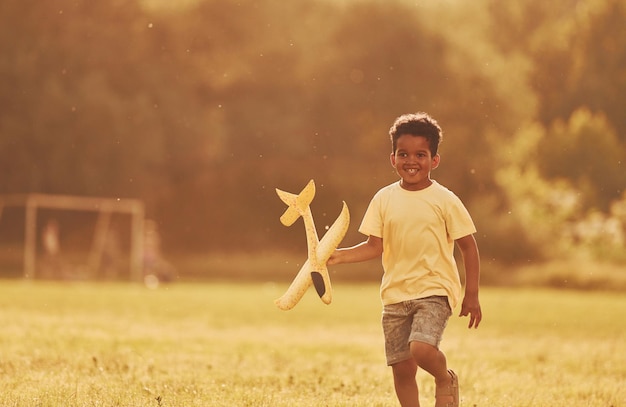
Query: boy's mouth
[{"x": 412, "y": 171}]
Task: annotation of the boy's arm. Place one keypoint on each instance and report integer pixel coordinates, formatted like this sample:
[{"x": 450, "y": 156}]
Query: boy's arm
[
  {"x": 471, "y": 261},
  {"x": 367, "y": 250}
]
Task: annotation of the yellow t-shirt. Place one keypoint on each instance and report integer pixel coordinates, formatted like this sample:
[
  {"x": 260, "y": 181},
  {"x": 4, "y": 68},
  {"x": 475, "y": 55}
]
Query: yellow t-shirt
[{"x": 418, "y": 229}]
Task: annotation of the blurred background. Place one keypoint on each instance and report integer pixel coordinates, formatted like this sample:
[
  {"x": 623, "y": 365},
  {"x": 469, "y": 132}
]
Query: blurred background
[{"x": 199, "y": 109}]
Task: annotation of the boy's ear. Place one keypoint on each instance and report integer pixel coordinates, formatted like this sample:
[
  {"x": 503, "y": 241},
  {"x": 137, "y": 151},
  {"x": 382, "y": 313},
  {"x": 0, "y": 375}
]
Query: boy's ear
[
  {"x": 392, "y": 158},
  {"x": 436, "y": 161}
]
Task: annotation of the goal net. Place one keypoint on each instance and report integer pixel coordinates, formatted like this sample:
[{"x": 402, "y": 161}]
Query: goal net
[{"x": 71, "y": 237}]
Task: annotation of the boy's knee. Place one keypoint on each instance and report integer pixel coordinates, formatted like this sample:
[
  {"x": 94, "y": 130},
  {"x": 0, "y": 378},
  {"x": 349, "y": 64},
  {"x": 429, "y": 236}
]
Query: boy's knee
[
  {"x": 422, "y": 351},
  {"x": 406, "y": 369}
]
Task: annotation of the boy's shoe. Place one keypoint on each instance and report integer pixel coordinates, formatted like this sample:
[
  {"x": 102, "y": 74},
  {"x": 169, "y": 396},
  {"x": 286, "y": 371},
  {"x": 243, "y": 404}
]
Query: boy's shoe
[{"x": 452, "y": 390}]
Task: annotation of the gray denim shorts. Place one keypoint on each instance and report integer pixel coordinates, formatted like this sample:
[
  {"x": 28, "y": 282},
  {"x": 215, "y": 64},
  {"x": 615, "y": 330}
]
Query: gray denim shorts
[{"x": 421, "y": 320}]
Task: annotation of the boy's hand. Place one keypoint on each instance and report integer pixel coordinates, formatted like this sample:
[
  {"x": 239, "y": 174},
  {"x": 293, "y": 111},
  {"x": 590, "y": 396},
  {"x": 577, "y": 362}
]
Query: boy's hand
[
  {"x": 333, "y": 259},
  {"x": 471, "y": 307}
]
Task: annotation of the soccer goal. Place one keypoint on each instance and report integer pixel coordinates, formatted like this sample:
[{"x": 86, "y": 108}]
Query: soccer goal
[{"x": 63, "y": 236}]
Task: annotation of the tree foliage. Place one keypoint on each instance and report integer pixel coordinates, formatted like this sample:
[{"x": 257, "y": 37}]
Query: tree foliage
[{"x": 202, "y": 110}]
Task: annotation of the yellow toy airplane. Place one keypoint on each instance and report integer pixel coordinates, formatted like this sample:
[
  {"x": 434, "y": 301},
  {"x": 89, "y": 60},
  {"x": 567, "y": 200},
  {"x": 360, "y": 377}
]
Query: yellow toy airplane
[{"x": 314, "y": 270}]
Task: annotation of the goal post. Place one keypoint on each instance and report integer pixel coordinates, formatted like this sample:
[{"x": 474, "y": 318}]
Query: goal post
[{"x": 103, "y": 207}]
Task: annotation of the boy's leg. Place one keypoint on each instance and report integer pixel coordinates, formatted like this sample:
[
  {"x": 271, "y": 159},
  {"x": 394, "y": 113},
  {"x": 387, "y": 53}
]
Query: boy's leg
[
  {"x": 429, "y": 322},
  {"x": 397, "y": 320},
  {"x": 434, "y": 362},
  {"x": 405, "y": 384}
]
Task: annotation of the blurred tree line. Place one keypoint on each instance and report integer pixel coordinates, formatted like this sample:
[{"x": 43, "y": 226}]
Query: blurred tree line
[{"x": 202, "y": 110}]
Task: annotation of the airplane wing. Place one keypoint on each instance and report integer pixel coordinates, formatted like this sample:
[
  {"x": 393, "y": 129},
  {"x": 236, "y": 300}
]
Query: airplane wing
[{"x": 297, "y": 203}]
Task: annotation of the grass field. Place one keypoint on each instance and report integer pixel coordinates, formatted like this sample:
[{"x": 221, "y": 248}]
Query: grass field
[{"x": 225, "y": 344}]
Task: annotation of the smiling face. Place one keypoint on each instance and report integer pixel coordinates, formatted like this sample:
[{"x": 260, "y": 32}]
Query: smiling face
[{"x": 413, "y": 162}]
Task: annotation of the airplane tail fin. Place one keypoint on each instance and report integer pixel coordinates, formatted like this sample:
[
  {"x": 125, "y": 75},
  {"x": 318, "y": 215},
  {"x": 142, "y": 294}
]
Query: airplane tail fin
[{"x": 297, "y": 204}]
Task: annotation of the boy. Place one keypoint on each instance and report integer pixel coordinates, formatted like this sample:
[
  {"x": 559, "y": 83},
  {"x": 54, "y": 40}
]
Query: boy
[{"x": 414, "y": 224}]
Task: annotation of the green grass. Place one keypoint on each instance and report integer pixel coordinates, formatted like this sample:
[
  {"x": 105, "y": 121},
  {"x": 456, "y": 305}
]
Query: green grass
[{"x": 226, "y": 344}]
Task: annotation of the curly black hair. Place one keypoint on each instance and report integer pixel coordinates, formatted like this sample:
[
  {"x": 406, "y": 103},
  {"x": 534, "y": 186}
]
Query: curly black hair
[{"x": 417, "y": 124}]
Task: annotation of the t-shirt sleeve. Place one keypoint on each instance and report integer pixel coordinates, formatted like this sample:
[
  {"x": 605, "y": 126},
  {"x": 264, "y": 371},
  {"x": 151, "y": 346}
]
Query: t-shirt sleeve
[
  {"x": 372, "y": 223},
  {"x": 458, "y": 220}
]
